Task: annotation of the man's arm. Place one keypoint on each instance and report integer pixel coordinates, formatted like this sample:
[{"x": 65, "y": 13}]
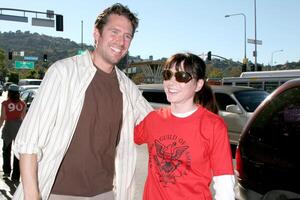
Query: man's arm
[
  {"x": 141, "y": 105},
  {"x": 28, "y": 168}
]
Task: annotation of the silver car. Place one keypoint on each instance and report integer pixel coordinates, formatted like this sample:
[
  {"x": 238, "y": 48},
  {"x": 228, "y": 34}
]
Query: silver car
[{"x": 236, "y": 104}]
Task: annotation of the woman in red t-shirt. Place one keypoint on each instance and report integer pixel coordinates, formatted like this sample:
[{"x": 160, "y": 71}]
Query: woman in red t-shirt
[
  {"x": 187, "y": 142},
  {"x": 12, "y": 112}
]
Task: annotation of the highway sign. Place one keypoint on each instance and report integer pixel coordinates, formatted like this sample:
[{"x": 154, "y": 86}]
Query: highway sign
[
  {"x": 42, "y": 22},
  {"x": 259, "y": 42},
  {"x": 80, "y": 52},
  {"x": 24, "y": 65},
  {"x": 34, "y": 58}
]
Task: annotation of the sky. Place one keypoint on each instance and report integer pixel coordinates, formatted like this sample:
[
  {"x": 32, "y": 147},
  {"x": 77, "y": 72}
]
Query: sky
[{"x": 170, "y": 26}]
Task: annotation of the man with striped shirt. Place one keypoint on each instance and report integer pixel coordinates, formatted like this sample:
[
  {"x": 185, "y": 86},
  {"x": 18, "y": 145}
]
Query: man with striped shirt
[{"x": 76, "y": 141}]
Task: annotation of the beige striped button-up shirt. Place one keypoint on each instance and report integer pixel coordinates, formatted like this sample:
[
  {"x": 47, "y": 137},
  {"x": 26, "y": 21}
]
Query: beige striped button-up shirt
[{"x": 49, "y": 125}]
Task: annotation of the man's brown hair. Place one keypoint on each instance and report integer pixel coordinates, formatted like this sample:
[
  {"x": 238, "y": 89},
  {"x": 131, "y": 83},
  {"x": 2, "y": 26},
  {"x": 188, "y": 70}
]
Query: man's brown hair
[{"x": 117, "y": 9}]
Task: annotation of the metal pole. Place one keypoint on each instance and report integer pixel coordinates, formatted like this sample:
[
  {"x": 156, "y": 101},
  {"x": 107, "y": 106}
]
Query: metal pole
[
  {"x": 25, "y": 11},
  {"x": 255, "y": 38},
  {"x": 81, "y": 34},
  {"x": 272, "y": 55},
  {"x": 245, "y": 45}
]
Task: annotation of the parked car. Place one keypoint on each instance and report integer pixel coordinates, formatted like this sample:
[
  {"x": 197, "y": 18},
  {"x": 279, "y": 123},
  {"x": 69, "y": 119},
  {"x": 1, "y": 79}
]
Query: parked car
[
  {"x": 236, "y": 104},
  {"x": 267, "y": 157},
  {"x": 28, "y": 96},
  {"x": 27, "y": 87},
  {"x": 29, "y": 82}
]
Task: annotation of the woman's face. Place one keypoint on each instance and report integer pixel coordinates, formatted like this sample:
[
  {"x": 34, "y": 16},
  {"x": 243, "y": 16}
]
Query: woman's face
[{"x": 181, "y": 93}]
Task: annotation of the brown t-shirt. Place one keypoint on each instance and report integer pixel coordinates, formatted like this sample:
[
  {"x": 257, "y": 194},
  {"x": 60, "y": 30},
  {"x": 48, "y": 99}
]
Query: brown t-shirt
[{"x": 89, "y": 164}]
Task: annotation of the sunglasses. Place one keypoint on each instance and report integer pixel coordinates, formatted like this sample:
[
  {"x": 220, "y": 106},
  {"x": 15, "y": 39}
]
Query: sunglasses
[{"x": 180, "y": 76}]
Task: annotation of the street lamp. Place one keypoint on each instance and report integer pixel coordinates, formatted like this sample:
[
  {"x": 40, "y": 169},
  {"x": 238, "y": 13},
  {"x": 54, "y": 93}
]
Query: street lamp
[
  {"x": 255, "y": 37},
  {"x": 272, "y": 55},
  {"x": 242, "y": 14}
]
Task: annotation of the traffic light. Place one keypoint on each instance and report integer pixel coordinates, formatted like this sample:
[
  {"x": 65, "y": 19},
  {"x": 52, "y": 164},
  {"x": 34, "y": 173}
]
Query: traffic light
[
  {"x": 208, "y": 55},
  {"x": 45, "y": 59},
  {"x": 10, "y": 54},
  {"x": 59, "y": 23}
]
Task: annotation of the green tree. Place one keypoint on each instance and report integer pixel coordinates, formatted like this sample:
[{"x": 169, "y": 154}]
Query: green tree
[
  {"x": 232, "y": 72},
  {"x": 214, "y": 72},
  {"x": 13, "y": 77},
  {"x": 32, "y": 74},
  {"x": 3, "y": 68},
  {"x": 138, "y": 78}
]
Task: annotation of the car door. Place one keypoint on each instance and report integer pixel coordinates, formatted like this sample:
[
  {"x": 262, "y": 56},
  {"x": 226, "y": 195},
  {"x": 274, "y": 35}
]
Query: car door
[
  {"x": 235, "y": 120},
  {"x": 270, "y": 147}
]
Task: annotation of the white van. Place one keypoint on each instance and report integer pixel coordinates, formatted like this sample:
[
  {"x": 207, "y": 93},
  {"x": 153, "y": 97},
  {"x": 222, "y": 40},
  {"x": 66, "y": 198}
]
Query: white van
[{"x": 236, "y": 104}]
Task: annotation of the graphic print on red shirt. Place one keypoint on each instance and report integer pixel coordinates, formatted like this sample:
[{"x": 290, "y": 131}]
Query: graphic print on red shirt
[{"x": 171, "y": 159}]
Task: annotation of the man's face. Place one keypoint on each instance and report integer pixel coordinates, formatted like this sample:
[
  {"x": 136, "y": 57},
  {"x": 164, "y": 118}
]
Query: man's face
[{"x": 114, "y": 41}]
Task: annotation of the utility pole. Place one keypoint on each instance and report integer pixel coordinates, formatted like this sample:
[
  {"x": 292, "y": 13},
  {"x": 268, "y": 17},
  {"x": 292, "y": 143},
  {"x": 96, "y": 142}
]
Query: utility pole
[
  {"x": 81, "y": 34},
  {"x": 255, "y": 38}
]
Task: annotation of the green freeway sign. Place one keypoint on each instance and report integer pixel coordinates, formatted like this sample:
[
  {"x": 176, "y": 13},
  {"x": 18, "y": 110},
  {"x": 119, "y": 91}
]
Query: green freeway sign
[
  {"x": 24, "y": 65},
  {"x": 80, "y": 51}
]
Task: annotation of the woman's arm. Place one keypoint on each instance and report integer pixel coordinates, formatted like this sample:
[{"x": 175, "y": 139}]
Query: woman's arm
[
  {"x": 224, "y": 187},
  {"x": 3, "y": 115}
]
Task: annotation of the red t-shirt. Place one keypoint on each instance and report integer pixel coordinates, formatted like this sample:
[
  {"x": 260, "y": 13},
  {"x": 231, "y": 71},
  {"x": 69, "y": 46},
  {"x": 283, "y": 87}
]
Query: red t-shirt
[
  {"x": 13, "y": 110},
  {"x": 184, "y": 154}
]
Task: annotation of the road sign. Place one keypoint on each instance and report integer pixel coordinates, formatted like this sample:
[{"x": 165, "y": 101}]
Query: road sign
[
  {"x": 259, "y": 42},
  {"x": 42, "y": 22},
  {"x": 33, "y": 58},
  {"x": 24, "y": 65},
  {"x": 80, "y": 52},
  {"x": 50, "y": 13},
  {"x": 14, "y": 18}
]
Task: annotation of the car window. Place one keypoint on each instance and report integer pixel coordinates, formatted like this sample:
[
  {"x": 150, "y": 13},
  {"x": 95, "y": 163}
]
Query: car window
[
  {"x": 250, "y": 99},
  {"x": 31, "y": 97},
  {"x": 224, "y": 100},
  {"x": 34, "y": 82},
  {"x": 24, "y": 95},
  {"x": 155, "y": 96},
  {"x": 29, "y": 82},
  {"x": 278, "y": 124}
]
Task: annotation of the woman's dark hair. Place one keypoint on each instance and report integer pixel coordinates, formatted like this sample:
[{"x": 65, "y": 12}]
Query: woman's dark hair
[
  {"x": 207, "y": 99},
  {"x": 194, "y": 65},
  {"x": 14, "y": 96},
  {"x": 117, "y": 9}
]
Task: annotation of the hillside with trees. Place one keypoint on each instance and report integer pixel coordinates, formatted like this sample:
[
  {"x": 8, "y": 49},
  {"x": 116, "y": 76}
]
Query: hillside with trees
[{"x": 34, "y": 44}]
